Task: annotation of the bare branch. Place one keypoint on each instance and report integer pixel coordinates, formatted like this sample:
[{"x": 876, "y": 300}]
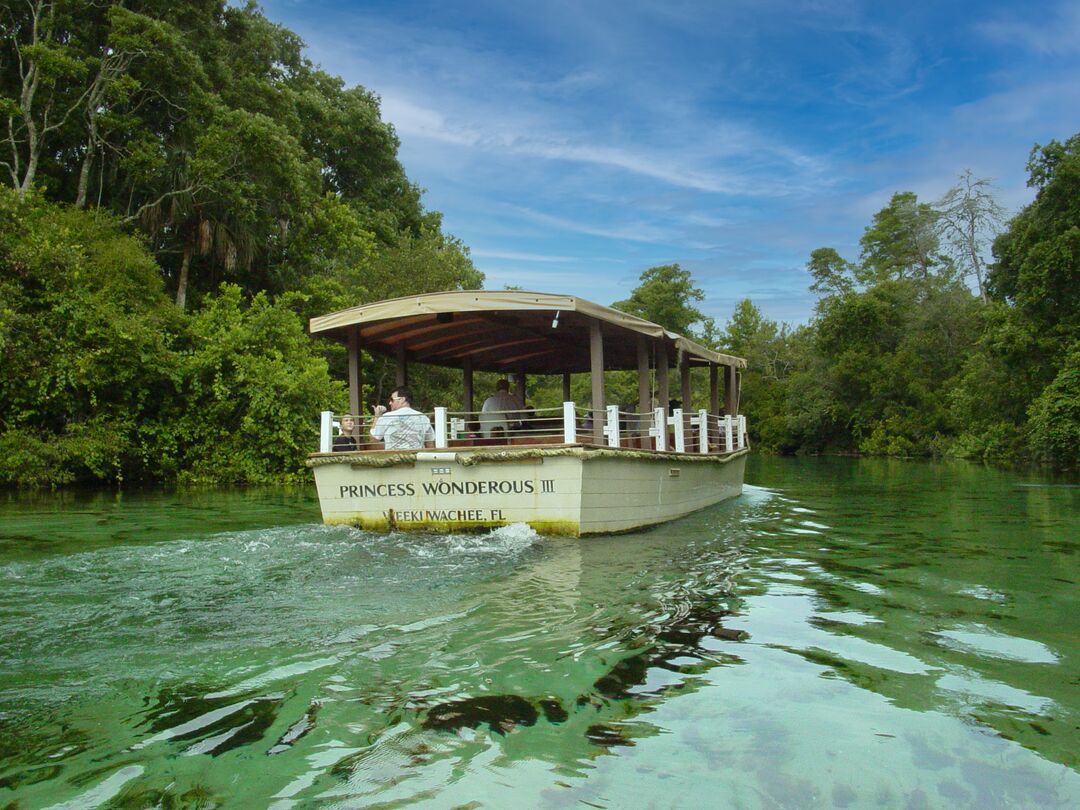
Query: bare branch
[
  {"x": 167, "y": 195},
  {"x": 969, "y": 218}
]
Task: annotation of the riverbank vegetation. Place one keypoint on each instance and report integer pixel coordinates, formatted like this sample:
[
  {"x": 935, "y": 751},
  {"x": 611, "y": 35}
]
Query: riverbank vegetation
[
  {"x": 183, "y": 190},
  {"x": 918, "y": 348}
]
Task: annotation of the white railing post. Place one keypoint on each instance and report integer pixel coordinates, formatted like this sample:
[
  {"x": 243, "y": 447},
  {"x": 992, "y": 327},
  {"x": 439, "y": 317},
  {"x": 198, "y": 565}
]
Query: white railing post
[
  {"x": 659, "y": 429},
  {"x": 742, "y": 432},
  {"x": 676, "y": 421},
  {"x": 440, "y": 426},
  {"x": 569, "y": 423},
  {"x": 612, "y": 426},
  {"x": 729, "y": 446},
  {"x": 703, "y": 431},
  {"x": 326, "y": 432}
]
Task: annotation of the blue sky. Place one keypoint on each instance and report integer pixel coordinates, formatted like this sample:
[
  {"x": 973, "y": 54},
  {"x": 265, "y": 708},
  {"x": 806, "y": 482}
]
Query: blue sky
[{"x": 572, "y": 145}]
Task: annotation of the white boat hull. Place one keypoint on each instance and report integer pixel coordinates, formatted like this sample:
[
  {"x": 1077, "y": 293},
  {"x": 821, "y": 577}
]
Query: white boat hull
[{"x": 569, "y": 490}]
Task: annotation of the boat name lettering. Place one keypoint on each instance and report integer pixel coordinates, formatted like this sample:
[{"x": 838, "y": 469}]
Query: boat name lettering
[
  {"x": 376, "y": 490},
  {"x": 448, "y": 515},
  {"x": 478, "y": 487}
]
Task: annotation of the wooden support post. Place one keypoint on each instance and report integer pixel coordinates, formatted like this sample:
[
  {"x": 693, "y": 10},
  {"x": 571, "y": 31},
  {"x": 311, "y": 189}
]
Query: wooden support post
[
  {"x": 596, "y": 367},
  {"x": 662, "y": 392},
  {"x": 714, "y": 389},
  {"x": 714, "y": 401},
  {"x": 519, "y": 386},
  {"x": 731, "y": 390},
  {"x": 467, "y": 394},
  {"x": 686, "y": 393},
  {"x": 566, "y": 387},
  {"x": 356, "y": 372},
  {"x": 644, "y": 400},
  {"x": 402, "y": 366}
]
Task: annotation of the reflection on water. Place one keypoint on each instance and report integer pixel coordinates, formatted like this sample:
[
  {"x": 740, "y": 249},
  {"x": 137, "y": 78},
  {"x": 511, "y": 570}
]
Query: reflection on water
[{"x": 848, "y": 633}]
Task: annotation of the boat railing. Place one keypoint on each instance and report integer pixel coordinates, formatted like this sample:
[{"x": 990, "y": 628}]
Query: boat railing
[
  {"x": 524, "y": 426},
  {"x": 681, "y": 431},
  {"x": 336, "y": 435}
]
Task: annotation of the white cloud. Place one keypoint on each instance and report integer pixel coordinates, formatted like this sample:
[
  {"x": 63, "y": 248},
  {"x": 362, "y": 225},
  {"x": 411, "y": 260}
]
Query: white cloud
[
  {"x": 1056, "y": 33},
  {"x": 697, "y": 166},
  {"x": 644, "y": 231},
  {"x": 519, "y": 257}
]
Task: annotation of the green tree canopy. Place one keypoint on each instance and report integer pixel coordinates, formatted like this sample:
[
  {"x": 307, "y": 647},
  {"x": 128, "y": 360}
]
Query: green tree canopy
[
  {"x": 665, "y": 296},
  {"x": 902, "y": 242}
]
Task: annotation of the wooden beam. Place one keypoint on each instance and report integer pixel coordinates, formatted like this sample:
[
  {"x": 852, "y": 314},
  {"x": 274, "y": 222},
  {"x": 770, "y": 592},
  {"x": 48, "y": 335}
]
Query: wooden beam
[
  {"x": 731, "y": 390},
  {"x": 686, "y": 394},
  {"x": 412, "y": 327},
  {"x": 643, "y": 388},
  {"x": 356, "y": 379},
  {"x": 596, "y": 368},
  {"x": 566, "y": 386},
  {"x": 402, "y": 366},
  {"x": 467, "y": 395},
  {"x": 519, "y": 386},
  {"x": 714, "y": 389},
  {"x": 662, "y": 392}
]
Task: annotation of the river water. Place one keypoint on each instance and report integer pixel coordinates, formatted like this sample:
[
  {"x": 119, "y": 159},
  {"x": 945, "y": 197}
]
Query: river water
[{"x": 846, "y": 634}]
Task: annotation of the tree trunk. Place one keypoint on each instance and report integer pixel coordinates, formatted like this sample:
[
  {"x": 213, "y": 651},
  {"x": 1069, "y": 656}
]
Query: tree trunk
[
  {"x": 84, "y": 175},
  {"x": 182, "y": 282},
  {"x": 34, "y": 153}
]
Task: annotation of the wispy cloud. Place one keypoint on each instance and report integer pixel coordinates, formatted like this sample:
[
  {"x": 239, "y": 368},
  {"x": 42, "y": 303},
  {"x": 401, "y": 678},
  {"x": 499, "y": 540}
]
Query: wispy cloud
[
  {"x": 642, "y": 231},
  {"x": 519, "y": 257},
  {"x": 1056, "y": 32},
  {"x": 699, "y": 166},
  {"x": 731, "y": 137}
]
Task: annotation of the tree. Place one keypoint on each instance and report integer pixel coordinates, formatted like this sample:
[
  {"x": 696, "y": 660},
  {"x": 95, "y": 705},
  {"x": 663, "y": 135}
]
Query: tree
[
  {"x": 43, "y": 84},
  {"x": 969, "y": 217},
  {"x": 86, "y": 336},
  {"x": 664, "y": 296},
  {"x": 833, "y": 275},
  {"x": 1055, "y": 416},
  {"x": 902, "y": 242},
  {"x": 249, "y": 384},
  {"x": 1038, "y": 257}
]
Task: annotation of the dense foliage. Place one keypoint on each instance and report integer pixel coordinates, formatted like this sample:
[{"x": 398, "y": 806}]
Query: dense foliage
[
  {"x": 184, "y": 190},
  {"x": 903, "y": 359}
]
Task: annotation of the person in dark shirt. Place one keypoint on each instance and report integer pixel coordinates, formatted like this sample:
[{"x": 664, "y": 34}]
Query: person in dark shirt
[{"x": 346, "y": 439}]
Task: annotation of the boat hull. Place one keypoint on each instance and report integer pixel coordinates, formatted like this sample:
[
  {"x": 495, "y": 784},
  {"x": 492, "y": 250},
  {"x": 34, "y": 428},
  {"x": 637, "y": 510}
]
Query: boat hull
[{"x": 572, "y": 491}]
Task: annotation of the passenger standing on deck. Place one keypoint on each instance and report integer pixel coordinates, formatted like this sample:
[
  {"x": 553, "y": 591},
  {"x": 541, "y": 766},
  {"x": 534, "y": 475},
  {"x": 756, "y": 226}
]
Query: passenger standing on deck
[
  {"x": 499, "y": 410},
  {"x": 402, "y": 428}
]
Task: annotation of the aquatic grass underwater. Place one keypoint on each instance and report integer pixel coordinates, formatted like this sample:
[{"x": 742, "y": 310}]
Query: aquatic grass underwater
[{"x": 845, "y": 634}]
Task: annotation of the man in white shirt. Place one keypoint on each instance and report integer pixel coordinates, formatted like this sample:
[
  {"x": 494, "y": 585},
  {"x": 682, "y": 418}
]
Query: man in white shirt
[
  {"x": 500, "y": 410},
  {"x": 402, "y": 428}
]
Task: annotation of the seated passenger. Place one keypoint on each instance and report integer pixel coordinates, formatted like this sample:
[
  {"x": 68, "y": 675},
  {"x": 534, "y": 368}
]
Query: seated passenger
[
  {"x": 346, "y": 439},
  {"x": 402, "y": 428},
  {"x": 500, "y": 410}
]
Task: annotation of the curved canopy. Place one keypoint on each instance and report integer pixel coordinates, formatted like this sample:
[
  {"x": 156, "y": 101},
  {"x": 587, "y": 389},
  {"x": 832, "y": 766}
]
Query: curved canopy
[{"x": 507, "y": 330}]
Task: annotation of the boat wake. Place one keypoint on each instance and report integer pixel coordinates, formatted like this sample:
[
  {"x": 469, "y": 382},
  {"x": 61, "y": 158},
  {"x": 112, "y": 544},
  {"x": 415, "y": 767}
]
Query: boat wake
[{"x": 503, "y": 541}]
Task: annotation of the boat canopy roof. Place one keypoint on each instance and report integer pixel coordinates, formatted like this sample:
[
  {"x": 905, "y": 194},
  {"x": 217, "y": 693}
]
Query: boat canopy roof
[{"x": 507, "y": 330}]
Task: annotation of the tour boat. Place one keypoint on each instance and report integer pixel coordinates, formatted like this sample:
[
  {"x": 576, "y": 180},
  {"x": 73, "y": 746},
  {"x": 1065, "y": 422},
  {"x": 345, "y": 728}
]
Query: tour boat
[{"x": 572, "y": 470}]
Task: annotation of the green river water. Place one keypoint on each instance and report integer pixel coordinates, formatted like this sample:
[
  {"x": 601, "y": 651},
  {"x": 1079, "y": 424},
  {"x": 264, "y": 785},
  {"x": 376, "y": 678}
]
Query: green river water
[{"x": 848, "y": 633}]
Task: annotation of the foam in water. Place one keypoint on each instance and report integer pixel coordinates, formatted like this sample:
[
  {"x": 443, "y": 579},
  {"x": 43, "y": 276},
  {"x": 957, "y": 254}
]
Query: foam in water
[{"x": 503, "y": 541}]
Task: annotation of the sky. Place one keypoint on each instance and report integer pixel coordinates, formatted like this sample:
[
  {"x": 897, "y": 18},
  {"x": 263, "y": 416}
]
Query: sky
[{"x": 573, "y": 145}]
